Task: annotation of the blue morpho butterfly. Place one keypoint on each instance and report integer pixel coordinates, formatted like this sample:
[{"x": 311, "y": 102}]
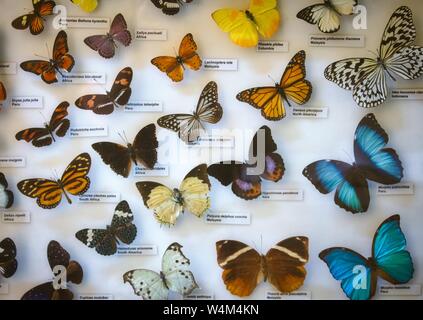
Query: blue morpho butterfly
[
  {"x": 372, "y": 161},
  {"x": 389, "y": 260}
]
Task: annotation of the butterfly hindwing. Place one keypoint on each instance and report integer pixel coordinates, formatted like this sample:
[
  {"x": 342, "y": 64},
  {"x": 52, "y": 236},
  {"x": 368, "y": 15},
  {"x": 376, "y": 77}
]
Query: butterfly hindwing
[{"x": 147, "y": 284}]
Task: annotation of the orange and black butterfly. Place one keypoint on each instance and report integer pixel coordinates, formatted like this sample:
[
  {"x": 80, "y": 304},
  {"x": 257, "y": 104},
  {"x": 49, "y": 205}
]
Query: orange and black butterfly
[
  {"x": 293, "y": 87},
  {"x": 3, "y": 94},
  {"x": 41, "y": 137},
  {"x": 61, "y": 60},
  {"x": 105, "y": 103},
  {"x": 49, "y": 192},
  {"x": 35, "y": 19},
  {"x": 175, "y": 66}
]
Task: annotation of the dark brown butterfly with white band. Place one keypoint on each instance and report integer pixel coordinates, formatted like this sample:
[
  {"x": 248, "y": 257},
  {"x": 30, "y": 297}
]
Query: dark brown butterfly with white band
[
  {"x": 244, "y": 268},
  {"x": 190, "y": 126},
  {"x": 141, "y": 151},
  {"x": 170, "y": 7},
  {"x": 8, "y": 262}
]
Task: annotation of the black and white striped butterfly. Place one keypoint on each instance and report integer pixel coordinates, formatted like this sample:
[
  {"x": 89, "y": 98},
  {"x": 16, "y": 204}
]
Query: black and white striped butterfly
[
  {"x": 327, "y": 15},
  {"x": 6, "y": 196},
  {"x": 170, "y": 7},
  {"x": 190, "y": 126},
  {"x": 105, "y": 240},
  {"x": 398, "y": 56}
]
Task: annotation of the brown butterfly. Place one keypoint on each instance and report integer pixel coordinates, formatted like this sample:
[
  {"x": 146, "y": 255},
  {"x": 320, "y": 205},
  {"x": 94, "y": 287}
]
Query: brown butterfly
[
  {"x": 3, "y": 94},
  {"x": 105, "y": 103},
  {"x": 61, "y": 60},
  {"x": 41, "y": 137},
  {"x": 175, "y": 66},
  {"x": 244, "y": 268},
  {"x": 35, "y": 19}
]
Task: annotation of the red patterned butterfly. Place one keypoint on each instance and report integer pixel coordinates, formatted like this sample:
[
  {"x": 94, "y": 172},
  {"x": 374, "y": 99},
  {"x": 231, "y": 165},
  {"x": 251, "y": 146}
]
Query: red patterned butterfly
[
  {"x": 35, "y": 19},
  {"x": 61, "y": 60}
]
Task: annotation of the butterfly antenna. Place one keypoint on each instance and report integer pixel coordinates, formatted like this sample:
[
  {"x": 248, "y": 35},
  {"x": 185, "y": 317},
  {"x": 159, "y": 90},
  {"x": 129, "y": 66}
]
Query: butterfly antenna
[
  {"x": 121, "y": 136},
  {"x": 348, "y": 156},
  {"x": 44, "y": 118},
  {"x": 40, "y": 56},
  {"x": 126, "y": 139},
  {"x": 261, "y": 243},
  {"x": 48, "y": 51},
  {"x": 271, "y": 78}
]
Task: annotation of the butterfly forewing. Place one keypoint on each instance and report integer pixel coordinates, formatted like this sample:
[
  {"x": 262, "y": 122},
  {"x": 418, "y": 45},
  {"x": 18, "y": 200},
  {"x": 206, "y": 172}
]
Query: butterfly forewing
[
  {"x": 74, "y": 179},
  {"x": 208, "y": 107},
  {"x": 6, "y": 196}
]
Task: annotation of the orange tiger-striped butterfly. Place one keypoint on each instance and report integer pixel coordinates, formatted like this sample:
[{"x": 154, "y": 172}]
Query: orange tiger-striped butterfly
[
  {"x": 49, "y": 192},
  {"x": 35, "y": 19},
  {"x": 293, "y": 87},
  {"x": 175, "y": 66}
]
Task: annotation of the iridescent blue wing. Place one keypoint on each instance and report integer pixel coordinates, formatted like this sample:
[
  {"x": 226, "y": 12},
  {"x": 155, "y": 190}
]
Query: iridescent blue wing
[
  {"x": 389, "y": 251},
  {"x": 352, "y": 192},
  {"x": 378, "y": 163},
  {"x": 353, "y": 270}
]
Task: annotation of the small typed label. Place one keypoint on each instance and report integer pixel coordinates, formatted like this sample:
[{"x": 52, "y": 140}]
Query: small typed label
[
  {"x": 200, "y": 295},
  {"x": 407, "y": 94},
  {"x": 99, "y": 197},
  {"x": 84, "y": 23},
  {"x": 272, "y": 46},
  {"x": 214, "y": 142},
  {"x": 92, "y": 297},
  {"x": 86, "y": 132},
  {"x": 15, "y": 217},
  {"x": 84, "y": 78},
  {"x": 4, "y": 288},
  {"x": 12, "y": 162},
  {"x": 400, "y": 189},
  {"x": 309, "y": 113},
  {"x": 228, "y": 218},
  {"x": 401, "y": 290},
  {"x": 7, "y": 67},
  {"x": 137, "y": 250},
  {"x": 282, "y": 195},
  {"x": 295, "y": 295},
  {"x": 158, "y": 171},
  {"x": 144, "y": 106},
  {"x": 220, "y": 64},
  {"x": 36, "y": 102},
  {"x": 346, "y": 41},
  {"x": 151, "y": 35}
]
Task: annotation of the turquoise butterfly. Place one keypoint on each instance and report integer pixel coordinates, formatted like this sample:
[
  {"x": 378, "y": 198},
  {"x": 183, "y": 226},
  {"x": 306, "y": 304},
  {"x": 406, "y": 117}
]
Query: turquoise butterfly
[{"x": 390, "y": 260}]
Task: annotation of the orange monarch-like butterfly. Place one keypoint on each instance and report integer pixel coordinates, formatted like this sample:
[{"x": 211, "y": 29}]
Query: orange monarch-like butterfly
[
  {"x": 49, "y": 192},
  {"x": 35, "y": 19},
  {"x": 61, "y": 60},
  {"x": 293, "y": 87},
  {"x": 175, "y": 66}
]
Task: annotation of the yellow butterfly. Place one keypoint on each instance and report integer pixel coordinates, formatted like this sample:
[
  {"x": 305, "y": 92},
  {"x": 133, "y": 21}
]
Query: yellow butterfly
[
  {"x": 244, "y": 26},
  {"x": 86, "y": 5}
]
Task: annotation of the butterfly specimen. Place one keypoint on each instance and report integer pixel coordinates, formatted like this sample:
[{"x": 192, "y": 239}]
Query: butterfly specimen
[
  {"x": 61, "y": 60},
  {"x": 263, "y": 163},
  {"x": 175, "y": 276},
  {"x": 327, "y": 15},
  {"x": 390, "y": 260},
  {"x": 190, "y": 126},
  {"x": 86, "y": 5},
  {"x": 244, "y": 268},
  {"x": 105, "y": 104},
  {"x": 35, "y": 19},
  {"x": 105, "y": 240},
  {"x": 3, "y": 93},
  {"x": 175, "y": 66},
  {"x": 106, "y": 44},
  {"x": 372, "y": 162},
  {"x": 398, "y": 56},
  {"x": 293, "y": 87},
  {"x": 8, "y": 262},
  {"x": 6, "y": 196},
  {"x": 41, "y": 137},
  {"x": 49, "y": 192},
  {"x": 244, "y": 26},
  {"x": 170, "y": 7},
  {"x": 58, "y": 257},
  {"x": 168, "y": 204}
]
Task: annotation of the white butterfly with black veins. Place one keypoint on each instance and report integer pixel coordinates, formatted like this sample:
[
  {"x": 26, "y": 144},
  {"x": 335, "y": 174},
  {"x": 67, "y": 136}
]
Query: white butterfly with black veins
[
  {"x": 6, "y": 196},
  {"x": 170, "y": 7},
  {"x": 174, "y": 277},
  {"x": 105, "y": 240},
  {"x": 190, "y": 126},
  {"x": 398, "y": 56},
  {"x": 327, "y": 15}
]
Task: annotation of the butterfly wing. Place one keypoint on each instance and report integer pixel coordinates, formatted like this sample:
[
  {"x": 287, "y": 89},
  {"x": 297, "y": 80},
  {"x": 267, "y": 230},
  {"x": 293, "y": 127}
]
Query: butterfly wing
[
  {"x": 171, "y": 66},
  {"x": 40, "y": 137},
  {"x": 347, "y": 266},
  {"x": 394, "y": 262},
  {"x": 8, "y": 262},
  {"x": 323, "y": 15},
  {"x": 187, "y": 127},
  {"x": 116, "y": 156},
  {"x": 61, "y": 54},
  {"x": 3, "y": 93},
  {"x": 147, "y": 284},
  {"x": 101, "y": 239},
  {"x": 267, "y": 99},
  {"x": 266, "y": 16},
  {"x": 352, "y": 191},
  {"x": 43, "y": 291},
  {"x": 97, "y": 103},
  {"x": 195, "y": 190},
  {"x": 86, "y": 5},
  {"x": 58, "y": 123},
  {"x": 119, "y": 30},
  {"x": 121, "y": 90},
  {"x": 103, "y": 44},
  {"x": 74, "y": 179},
  {"x": 241, "y": 266},
  {"x": 208, "y": 107},
  {"x": 47, "y": 192},
  {"x": 145, "y": 146},
  {"x": 122, "y": 223},
  {"x": 6, "y": 196},
  {"x": 285, "y": 264},
  {"x": 41, "y": 68},
  {"x": 188, "y": 53},
  {"x": 376, "y": 162}
]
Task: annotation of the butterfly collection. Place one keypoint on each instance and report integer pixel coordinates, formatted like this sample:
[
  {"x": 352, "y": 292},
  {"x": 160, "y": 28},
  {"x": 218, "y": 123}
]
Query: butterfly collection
[{"x": 244, "y": 268}]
